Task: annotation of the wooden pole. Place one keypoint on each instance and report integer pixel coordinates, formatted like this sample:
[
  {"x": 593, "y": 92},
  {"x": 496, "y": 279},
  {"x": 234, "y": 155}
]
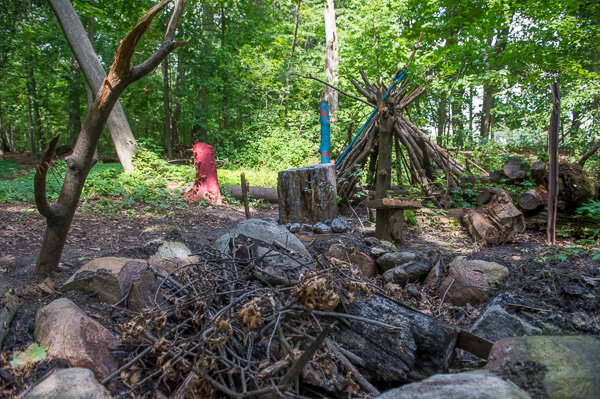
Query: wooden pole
[
  {"x": 553, "y": 170},
  {"x": 245, "y": 188}
]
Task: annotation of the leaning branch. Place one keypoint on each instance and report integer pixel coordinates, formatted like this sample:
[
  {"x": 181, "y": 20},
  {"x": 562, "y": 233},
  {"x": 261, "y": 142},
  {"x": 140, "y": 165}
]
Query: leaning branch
[
  {"x": 39, "y": 182},
  {"x": 334, "y": 88}
]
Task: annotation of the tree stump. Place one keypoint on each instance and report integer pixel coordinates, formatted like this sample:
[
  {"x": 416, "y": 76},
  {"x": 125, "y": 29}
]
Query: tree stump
[
  {"x": 207, "y": 183},
  {"x": 307, "y": 195},
  {"x": 496, "y": 223},
  {"x": 389, "y": 224}
]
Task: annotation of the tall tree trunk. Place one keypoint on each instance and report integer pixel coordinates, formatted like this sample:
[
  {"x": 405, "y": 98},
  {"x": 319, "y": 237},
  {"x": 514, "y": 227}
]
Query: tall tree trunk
[
  {"x": 441, "y": 125},
  {"x": 60, "y": 214},
  {"x": 91, "y": 33},
  {"x": 74, "y": 102},
  {"x": 331, "y": 58},
  {"x": 199, "y": 129},
  {"x": 225, "y": 102},
  {"x": 176, "y": 116},
  {"x": 168, "y": 128},
  {"x": 32, "y": 145},
  {"x": 289, "y": 64},
  {"x": 36, "y": 119},
  {"x": 470, "y": 111},
  {"x": 95, "y": 75},
  {"x": 486, "y": 117}
]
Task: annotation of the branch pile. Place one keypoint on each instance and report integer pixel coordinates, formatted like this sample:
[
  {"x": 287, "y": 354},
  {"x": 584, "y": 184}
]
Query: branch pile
[{"x": 222, "y": 329}]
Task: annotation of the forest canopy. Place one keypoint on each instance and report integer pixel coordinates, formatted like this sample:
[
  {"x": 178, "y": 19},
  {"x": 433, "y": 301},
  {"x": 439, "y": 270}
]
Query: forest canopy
[{"x": 486, "y": 66}]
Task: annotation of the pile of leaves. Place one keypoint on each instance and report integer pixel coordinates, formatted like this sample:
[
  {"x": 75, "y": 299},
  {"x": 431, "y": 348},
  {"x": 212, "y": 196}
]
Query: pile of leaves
[{"x": 218, "y": 330}]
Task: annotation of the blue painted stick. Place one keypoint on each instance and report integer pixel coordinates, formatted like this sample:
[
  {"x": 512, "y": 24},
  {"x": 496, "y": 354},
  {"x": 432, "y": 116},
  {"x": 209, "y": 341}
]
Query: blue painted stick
[{"x": 325, "y": 148}]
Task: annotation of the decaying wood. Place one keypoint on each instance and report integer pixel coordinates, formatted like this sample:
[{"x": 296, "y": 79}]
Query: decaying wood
[
  {"x": 575, "y": 187},
  {"x": 553, "y": 167},
  {"x": 6, "y": 315},
  {"x": 485, "y": 195},
  {"x": 538, "y": 172},
  {"x": 495, "y": 223},
  {"x": 307, "y": 195}
]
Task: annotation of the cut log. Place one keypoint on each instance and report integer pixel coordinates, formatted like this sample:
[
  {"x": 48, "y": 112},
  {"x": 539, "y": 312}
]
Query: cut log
[
  {"x": 390, "y": 217},
  {"x": 420, "y": 347},
  {"x": 515, "y": 169},
  {"x": 307, "y": 195},
  {"x": 533, "y": 201},
  {"x": 538, "y": 172},
  {"x": 264, "y": 193},
  {"x": 575, "y": 187},
  {"x": 485, "y": 195},
  {"x": 496, "y": 223}
]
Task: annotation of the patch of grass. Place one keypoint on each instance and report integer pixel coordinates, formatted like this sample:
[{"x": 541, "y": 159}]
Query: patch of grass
[
  {"x": 9, "y": 169},
  {"x": 256, "y": 178}
]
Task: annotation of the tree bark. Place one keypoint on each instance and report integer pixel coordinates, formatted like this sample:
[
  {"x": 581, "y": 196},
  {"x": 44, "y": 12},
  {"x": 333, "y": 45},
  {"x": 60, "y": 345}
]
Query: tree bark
[
  {"x": 553, "y": 169},
  {"x": 384, "y": 159},
  {"x": 331, "y": 58},
  {"x": 74, "y": 103},
  {"x": 533, "y": 201},
  {"x": 176, "y": 116},
  {"x": 60, "y": 214},
  {"x": 167, "y": 128},
  {"x": 95, "y": 75},
  {"x": 289, "y": 64},
  {"x": 1, "y": 133},
  {"x": 486, "y": 118}
]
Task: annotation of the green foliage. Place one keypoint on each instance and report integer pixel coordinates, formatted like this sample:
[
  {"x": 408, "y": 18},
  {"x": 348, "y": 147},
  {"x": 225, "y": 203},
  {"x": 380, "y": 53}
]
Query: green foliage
[{"x": 590, "y": 210}]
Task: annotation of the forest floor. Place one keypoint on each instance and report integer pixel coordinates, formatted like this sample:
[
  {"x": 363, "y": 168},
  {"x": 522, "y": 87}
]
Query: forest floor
[{"x": 559, "y": 285}]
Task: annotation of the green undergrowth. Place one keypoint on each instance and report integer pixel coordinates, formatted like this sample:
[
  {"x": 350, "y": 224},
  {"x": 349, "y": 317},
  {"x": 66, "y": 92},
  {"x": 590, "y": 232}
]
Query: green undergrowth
[{"x": 154, "y": 187}]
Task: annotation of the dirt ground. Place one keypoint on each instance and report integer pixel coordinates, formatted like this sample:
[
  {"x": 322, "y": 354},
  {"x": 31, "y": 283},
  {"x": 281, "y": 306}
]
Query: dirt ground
[{"x": 564, "y": 293}]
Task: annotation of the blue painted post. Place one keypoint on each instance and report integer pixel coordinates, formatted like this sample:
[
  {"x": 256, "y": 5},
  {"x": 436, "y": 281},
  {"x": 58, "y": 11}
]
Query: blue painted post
[{"x": 325, "y": 148}]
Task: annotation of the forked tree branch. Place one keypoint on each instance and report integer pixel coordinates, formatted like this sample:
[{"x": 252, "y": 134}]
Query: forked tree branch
[{"x": 39, "y": 182}]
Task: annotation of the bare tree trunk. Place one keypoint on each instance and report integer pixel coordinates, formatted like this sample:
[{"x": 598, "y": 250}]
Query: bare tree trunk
[
  {"x": 176, "y": 116},
  {"x": 95, "y": 75},
  {"x": 225, "y": 101},
  {"x": 441, "y": 125},
  {"x": 1, "y": 133},
  {"x": 553, "y": 167},
  {"x": 289, "y": 64},
  {"x": 384, "y": 159},
  {"x": 60, "y": 214},
  {"x": 30, "y": 127},
  {"x": 74, "y": 103},
  {"x": 486, "y": 117},
  {"x": 168, "y": 128},
  {"x": 91, "y": 23},
  {"x": 331, "y": 58}
]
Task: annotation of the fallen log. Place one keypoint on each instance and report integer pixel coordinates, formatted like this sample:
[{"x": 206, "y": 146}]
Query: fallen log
[
  {"x": 533, "y": 201},
  {"x": 420, "y": 347},
  {"x": 263, "y": 193},
  {"x": 538, "y": 172},
  {"x": 575, "y": 187},
  {"x": 496, "y": 223}
]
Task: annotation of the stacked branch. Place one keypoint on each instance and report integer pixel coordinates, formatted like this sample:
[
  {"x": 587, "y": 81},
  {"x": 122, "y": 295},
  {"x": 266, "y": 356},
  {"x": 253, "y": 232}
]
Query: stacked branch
[
  {"x": 226, "y": 327},
  {"x": 419, "y": 156}
]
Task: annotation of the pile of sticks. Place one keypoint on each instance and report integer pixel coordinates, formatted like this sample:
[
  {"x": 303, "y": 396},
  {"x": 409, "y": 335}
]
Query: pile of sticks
[
  {"x": 421, "y": 158},
  {"x": 219, "y": 331}
]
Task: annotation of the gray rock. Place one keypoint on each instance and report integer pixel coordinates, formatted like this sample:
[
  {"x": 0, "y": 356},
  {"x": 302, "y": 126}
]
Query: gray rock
[
  {"x": 339, "y": 225},
  {"x": 171, "y": 255},
  {"x": 584, "y": 322},
  {"x": 307, "y": 228},
  {"x": 143, "y": 292},
  {"x": 496, "y": 323},
  {"x": 571, "y": 363},
  {"x": 263, "y": 231},
  {"x": 392, "y": 259},
  {"x": 75, "y": 337},
  {"x": 295, "y": 228},
  {"x": 377, "y": 251},
  {"x": 492, "y": 272},
  {"x": 410, "y": 271},
  {"x": 321, "y": 228},
  {"x": 372, "y": 241},
  {"x": 109, "y": 278},
  {"x": 467, "y": 385},
  {"x": 72, "y": 383}
]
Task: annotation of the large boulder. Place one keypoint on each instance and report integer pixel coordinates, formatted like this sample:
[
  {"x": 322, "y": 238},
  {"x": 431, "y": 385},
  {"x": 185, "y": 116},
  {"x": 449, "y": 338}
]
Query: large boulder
[
  {"x": 143, "y": 292},
  {"x": 350, "y": 254},
  {"x": 496, "y": 323},
  {"x": 567, "y": 366},
  {"x": 171, "y": 255},
  {"x": 75, "y": 337},
  {"x": 109, "y": 278},
  {"x": 468, "y": 281},
  {"x": 72, "y": 383},
  {"x": 263, "y": 231},
  {"x": 467, "y": 385}
]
